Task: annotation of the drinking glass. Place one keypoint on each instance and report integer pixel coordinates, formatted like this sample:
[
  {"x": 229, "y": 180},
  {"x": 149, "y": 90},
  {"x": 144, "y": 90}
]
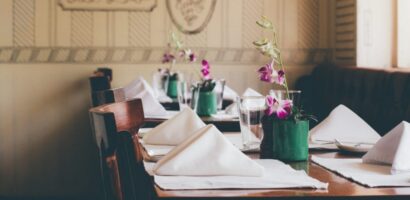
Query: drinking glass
[
  {"x": 251, "y": 110},
  {"x": 219, "y": 90},
  {"x": 294, "y": 96},
  {"x": 195, "y": 87},
  {"x": 184, "y": 94}
]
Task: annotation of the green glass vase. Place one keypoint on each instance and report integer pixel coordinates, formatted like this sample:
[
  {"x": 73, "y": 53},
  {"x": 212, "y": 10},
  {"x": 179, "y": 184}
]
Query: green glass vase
[
  {"x": 206, "y": 104},
  {"x": 172, "y": 90},
  {"x": 285, "y": 140}
]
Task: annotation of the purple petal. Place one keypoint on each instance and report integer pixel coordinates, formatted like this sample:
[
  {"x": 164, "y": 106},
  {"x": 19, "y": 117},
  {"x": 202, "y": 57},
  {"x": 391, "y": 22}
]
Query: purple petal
[
  {"x": 281, "y": 113},
  {"x": 270, "y": 101},
  {"x": 266, "y": 77},
  {"x": 281, "y": 77},
  {"x": 205, "y": 74},
  {"x": 192, "y": 57},
  {"x": 205, "y": 64},
  {"x": 263, "y": 69}
]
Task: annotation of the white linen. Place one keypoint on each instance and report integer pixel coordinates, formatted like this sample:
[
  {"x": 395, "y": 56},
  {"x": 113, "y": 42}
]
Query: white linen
[
  {"x": 139, "y": 88},
  {"x": 175, "y": 130},
  {"x": 343, "y": 125},
  {"x": 277, "y": 175},
  {"x": 156, "y": 152},
  {"x": 169, "y": 114},
  {"x": 392, "y": 149},
  {"x": 232, "y": 109},
  {"x": 366, "y": 174},
  {"x": 251, "y": 92},
  {"x": 162, "y": 97},
  {"x": 222, "y": 115},
  {"x": 207, "y": 153},
  {"x": 229, "y": 93},
  {"x": 158, "y": 92}
]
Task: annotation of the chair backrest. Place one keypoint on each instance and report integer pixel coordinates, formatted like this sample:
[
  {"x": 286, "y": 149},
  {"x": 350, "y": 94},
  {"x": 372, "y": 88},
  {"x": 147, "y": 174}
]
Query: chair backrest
[
  {"x": 107, "y": 96},
  {"x": 115, "y": 128},
  {"x": 98, "y": 83},
  {"x": 104, "y": 71}
]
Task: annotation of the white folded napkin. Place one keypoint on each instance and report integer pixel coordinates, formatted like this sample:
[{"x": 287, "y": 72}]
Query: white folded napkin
[
  {"x": 232, "y": 109},
  {"x": 175, "y": 130},
  {"x": 207, "y": 153},
  {"x": 343, "y": 125},
  {"x": 392, "y": 149},
  {"x": 156, "y": 152},
  {"x": 162, "y": 97},
  {"x": 229, "y": 93},
  {"x": 139, "y": 88},
  {"x": 251, "y": 92}
]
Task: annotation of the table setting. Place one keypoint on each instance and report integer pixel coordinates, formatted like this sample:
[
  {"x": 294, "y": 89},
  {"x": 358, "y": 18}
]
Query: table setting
[{"x": 274, "y": 148}]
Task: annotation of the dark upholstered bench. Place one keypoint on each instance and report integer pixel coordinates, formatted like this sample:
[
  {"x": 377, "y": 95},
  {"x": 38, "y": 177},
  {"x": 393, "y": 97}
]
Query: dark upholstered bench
[{"x": 380, "y": 97}]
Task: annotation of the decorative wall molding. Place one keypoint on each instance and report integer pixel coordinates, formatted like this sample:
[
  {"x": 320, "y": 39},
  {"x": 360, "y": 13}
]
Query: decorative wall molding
[
  {"x": 128, "y": 55},
  {"x": 139, "y": 5},
  {"x": 44, "y": 32},
  {"x": 190, "y": 17}
]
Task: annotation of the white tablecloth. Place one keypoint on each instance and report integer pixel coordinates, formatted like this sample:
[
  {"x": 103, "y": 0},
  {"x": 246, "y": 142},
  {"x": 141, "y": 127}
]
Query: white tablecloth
[
  {"x": 366, "y": 174},
  {"x": 277, "y": 175}
]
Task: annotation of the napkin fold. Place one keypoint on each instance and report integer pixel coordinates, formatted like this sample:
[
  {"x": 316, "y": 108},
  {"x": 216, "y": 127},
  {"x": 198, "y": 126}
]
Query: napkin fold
[
  {"x": 207, "y": 153},
  {"x": 251, "y": 92},
  {"x": 139, "y": 88},
  {"x": 392, "y": 149},
  {"x": 175, "y": 130},
  {"x": 343, "y": 125},
  {"x": 229, "y": 93}
]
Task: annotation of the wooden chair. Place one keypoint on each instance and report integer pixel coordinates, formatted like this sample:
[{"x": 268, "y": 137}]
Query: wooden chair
[
  {"x": 104, "y": 71},
  {"x": 108, "y": 96},
  {"x": 115, "y": 128}
]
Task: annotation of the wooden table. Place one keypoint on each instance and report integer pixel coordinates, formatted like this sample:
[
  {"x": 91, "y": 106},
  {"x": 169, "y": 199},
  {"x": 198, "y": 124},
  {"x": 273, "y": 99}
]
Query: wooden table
[{"x": 339, "y": 187}]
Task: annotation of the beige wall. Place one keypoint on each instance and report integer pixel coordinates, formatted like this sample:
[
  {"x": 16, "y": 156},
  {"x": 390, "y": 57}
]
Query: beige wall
[{"x": 47, "y": 53}]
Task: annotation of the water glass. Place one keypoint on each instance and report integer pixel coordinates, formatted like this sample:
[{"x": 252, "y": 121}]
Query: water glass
[
  {"x": 251, "y": 110},
  {"x": 294, "y": 96},
  {"x": 184, "y": 94},
  {"x": 219, "y": 90},
  {"x": 195, "y": 95}
]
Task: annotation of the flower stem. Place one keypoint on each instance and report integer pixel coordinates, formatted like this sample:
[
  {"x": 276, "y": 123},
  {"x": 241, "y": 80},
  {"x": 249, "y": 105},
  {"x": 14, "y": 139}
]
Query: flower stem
[{"x": 285, "y": 84}]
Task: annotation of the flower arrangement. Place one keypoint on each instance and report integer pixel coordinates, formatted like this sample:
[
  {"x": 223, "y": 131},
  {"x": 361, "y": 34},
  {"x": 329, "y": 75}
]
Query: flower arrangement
[
  {"x": 175, "y": 53},
  {"x": 274, "y": 72},
  {"x": 207, "y": 84}
]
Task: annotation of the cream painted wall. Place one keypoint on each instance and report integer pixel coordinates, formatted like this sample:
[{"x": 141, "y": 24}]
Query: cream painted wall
[{"x": 45, "y": 144}]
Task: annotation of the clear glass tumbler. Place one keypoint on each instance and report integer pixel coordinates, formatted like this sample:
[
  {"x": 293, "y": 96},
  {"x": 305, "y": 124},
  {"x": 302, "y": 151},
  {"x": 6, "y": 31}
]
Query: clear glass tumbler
[
  {"x": 251, "y": 110},
  {"x": 184, "y": 94},
  {"x": 294, "y": 96},
  {"x": 219, "y": 90}
]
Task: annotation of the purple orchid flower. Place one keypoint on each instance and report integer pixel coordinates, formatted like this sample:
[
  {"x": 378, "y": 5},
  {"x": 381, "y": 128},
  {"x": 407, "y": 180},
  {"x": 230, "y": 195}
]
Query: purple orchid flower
[
  {"x": 205, "y": 70},
  {"x": 282, "y": 108},
  {"x": 192, "y": 57},
  {"x": 270, "y": 101},
  {"x": 265, "y": 73},
  {"x": 167, "y": 58},
  {"x": 270, "y": 75},
  {"x": 280, "y": 79}
]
